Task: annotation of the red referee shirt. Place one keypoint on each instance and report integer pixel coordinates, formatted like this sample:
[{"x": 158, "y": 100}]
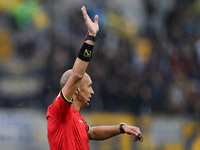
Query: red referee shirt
[{"x": 66, "y": 128}]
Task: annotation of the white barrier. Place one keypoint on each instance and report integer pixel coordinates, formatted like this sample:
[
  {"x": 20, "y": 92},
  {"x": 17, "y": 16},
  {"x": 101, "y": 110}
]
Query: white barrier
[{"x": 23, "y": 129}]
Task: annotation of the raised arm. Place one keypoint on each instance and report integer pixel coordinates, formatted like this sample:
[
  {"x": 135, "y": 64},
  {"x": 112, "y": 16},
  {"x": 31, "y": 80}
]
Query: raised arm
[{"x": 83, "y": 58}]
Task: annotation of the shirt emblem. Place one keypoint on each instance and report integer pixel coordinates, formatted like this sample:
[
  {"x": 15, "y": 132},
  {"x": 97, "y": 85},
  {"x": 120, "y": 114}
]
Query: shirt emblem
[{"x": 80, "y": 121}]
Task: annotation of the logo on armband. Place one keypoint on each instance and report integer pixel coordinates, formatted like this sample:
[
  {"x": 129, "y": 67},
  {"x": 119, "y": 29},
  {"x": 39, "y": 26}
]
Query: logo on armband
[{"x": 87, "y": 53}]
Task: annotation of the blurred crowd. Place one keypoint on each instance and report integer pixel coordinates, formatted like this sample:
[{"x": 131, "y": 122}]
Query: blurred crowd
[{"x": 147, "y": 62}]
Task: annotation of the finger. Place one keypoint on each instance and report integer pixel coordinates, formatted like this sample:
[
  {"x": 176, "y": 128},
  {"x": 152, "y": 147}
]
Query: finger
[
  {"x": 133, "y": 132},
  {"x": 83, "y": 8},
  {"x": 96, "y": 18},
  {"x": 85, "y": 15},
  {"x": 84, "y": 12},
  {"x": 137, "y": 130}
]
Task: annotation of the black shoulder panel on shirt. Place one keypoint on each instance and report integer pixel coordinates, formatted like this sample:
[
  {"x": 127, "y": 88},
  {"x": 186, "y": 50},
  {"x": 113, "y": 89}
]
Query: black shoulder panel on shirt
[{"x": 65, "y": 99}]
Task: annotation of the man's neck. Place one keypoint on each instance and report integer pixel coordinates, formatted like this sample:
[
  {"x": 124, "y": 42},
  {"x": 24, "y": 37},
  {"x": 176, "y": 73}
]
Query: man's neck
[{"x": 75, "y": 106}]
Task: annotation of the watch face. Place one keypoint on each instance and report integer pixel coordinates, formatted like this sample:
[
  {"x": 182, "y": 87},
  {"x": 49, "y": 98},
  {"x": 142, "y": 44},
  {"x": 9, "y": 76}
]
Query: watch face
[{"x": 124, "y": 123}]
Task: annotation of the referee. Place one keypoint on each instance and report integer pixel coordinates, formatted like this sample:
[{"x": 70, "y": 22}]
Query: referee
[{"x": 66, "y": 128}]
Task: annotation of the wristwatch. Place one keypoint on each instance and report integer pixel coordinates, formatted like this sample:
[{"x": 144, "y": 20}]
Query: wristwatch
[
  {"x": 120, "y": 127},
  {"x": 90, "y": 37}
]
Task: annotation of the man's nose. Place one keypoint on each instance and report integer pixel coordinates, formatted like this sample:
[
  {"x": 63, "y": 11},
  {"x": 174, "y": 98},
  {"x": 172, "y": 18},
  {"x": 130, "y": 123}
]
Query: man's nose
[{"x": 91, "y": 91}]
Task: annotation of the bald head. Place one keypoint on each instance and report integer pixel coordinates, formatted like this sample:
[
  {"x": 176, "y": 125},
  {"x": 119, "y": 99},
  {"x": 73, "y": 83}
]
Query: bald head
[{"x": 66, "y": 75}]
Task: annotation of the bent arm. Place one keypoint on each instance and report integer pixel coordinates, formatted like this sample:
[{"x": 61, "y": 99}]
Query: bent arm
[
  {"x": 105, "y": 132},
  {"x": 77, "y": 74}
]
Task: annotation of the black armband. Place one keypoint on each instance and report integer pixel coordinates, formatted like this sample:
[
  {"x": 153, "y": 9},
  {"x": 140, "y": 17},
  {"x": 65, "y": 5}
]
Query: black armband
[{"x": 85, "y": 52}]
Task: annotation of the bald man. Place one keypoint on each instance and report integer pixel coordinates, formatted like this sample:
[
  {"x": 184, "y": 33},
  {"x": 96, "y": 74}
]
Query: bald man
[{"x": 66, "y": 127}]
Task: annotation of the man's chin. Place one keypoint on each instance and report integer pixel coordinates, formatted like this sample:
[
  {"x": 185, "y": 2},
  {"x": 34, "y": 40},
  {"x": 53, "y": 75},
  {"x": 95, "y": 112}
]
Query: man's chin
[{"x": 87, "y": 103}]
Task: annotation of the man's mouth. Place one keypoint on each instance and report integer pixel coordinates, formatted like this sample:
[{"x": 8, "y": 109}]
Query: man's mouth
[{"x": 88, "y": 101}]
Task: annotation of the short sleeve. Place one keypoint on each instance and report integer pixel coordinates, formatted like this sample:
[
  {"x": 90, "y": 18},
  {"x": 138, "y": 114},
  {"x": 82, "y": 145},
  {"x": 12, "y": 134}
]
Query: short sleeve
[{"x": 60, "y": 107}]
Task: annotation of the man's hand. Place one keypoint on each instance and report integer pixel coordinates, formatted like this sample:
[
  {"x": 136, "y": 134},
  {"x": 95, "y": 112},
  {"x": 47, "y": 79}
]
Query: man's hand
[
  {"x": 92, "y": 27},
  {"x": 132, "y": 130}
]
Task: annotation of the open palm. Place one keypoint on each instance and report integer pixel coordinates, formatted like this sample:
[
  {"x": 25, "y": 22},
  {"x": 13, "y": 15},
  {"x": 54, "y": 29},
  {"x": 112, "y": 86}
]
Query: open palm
[{"x": 93, "y": 27}]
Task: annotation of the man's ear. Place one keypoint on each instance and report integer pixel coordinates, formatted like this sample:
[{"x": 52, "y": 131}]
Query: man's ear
[{"x": 77, "y": 92}]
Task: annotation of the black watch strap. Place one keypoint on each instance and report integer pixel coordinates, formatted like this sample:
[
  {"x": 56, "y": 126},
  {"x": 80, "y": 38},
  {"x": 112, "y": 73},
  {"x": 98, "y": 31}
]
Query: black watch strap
[
  {"x": 90, "y": 37},
  {"x": 120, "y": 127}
]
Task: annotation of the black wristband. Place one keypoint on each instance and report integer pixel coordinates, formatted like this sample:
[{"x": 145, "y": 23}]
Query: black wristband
[
  {"x": 85, "y": 52},
  {"x": 90, "y": 37}
]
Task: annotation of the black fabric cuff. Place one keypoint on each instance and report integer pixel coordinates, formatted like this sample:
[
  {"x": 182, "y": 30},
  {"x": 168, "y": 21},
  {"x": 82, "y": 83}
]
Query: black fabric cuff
[{"x": 85, "y": 52}]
